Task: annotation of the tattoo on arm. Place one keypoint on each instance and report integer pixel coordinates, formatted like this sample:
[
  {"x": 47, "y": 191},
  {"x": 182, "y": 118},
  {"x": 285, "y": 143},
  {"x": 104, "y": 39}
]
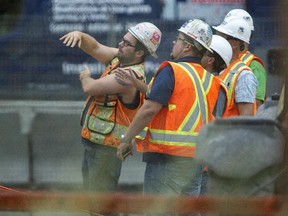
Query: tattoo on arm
[{"x": 120, "y": 81}]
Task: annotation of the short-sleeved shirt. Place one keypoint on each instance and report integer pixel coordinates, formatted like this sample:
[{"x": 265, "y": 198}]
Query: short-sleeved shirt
[
  {"x": 261, "y": 76},
  {"x": 161, "y": 92},
  {"x": 246, "y": 85},
  {"x": 164, "y": 82}
]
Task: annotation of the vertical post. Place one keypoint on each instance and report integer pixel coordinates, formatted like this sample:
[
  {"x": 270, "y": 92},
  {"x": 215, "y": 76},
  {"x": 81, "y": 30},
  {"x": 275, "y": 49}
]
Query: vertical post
[
  {"x": 111, "y": 37},
  {"x": 281, "y": 185},
  {"x": 27, "y": 116},
  {"x": 30, "y": 160}
]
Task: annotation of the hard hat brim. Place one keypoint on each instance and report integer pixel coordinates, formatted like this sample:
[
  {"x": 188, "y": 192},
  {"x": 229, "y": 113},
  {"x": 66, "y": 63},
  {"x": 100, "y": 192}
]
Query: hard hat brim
[
  {"x": 224, "y": 31},
  {"x": 202, "y": 44}
]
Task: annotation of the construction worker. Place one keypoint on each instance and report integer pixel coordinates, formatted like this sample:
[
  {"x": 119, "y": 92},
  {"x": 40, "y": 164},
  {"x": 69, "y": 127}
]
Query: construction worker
[
  {"x": 214, "y": 62},
  {"x": 240, "y": 81},
  {"x": 180, "y": 101},
  {"x": 111, "y": 105},
  {"x": 218, "y": 60},
  {"x": 250, "y": 59}
]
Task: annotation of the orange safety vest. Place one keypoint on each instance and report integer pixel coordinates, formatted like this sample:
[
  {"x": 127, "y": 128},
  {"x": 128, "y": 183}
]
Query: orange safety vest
[
  {"x": 229, "y": 77},
  {"x": 105, "y": 118},
  {"x": 175, "y": 128},
  {"x": 248, "y": 57}
]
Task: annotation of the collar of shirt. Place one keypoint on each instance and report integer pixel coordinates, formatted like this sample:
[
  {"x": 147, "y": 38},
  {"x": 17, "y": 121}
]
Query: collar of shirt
[{"x": 189, "y": 59}]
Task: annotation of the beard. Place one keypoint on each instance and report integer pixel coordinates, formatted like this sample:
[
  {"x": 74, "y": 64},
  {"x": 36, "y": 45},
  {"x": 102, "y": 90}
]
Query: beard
[
  {"x": 119, "y": 54},
  {"x": 125, "y": 59}
]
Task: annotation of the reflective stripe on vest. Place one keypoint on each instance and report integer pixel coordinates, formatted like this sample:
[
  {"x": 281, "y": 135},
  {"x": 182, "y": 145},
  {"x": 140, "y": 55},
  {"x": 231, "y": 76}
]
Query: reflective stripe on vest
[
  {"x": 207, "y": 81},
  {"x": 185, "y": 135},
  {"x": 99, "y": 138},
  {"x": 170, "y": 137},
  {"x": 201, "y": 92},
  {"x": 231, "y": 77},
  {"x": 247, "y": 58},
  {"x": 105, "y": 118}
]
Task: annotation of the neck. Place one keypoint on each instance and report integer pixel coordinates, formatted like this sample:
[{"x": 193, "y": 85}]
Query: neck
[
  {"x": 236, "y": 53},
  {"x": 130, "y": 64}
]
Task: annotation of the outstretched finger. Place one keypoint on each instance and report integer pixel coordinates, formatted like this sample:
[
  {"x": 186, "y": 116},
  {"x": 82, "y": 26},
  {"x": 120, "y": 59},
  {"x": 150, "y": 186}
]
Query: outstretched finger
[
  {"x": 69, "y": 41},
  {"x": 63, "y": 37},
  {"x": 79, "y": 43},
  {"x": 74, "y": 42},
  {"x": 66, "y": 39}
]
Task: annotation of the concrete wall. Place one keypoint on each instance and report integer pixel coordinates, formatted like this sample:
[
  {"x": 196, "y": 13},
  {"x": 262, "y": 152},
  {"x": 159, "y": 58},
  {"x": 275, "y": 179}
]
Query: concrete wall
[{"x": 40, "y": 146}]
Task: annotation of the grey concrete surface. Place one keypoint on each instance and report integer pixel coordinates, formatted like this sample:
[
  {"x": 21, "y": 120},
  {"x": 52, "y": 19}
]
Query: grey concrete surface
[
  {"x": 53, "y": 131},
  {"x": 14, "y": 166}
]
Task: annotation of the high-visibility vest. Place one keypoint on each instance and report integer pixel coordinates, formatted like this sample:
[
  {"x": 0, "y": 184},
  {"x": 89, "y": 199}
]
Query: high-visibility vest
[
  {"x": 104, "y": 118},
  {"x": 229, "y": 77},
  {"x": 247, "y": 57},
  {"x": 175, "y": 128}
]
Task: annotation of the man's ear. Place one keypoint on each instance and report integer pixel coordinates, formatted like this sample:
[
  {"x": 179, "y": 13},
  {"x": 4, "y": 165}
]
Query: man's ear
[
  {"x": 189, "y": 47},
  {"x": 211, "y": 60},
  {"x": 140, "y": 53}
]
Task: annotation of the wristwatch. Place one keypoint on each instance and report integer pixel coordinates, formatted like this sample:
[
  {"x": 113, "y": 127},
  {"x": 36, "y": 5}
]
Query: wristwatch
[{"x": 123, "y": 139}]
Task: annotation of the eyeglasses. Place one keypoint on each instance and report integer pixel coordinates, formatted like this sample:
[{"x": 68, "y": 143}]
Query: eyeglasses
[
  {"x": 126, "y": 43},
  {"x": 179, "y": 38}
]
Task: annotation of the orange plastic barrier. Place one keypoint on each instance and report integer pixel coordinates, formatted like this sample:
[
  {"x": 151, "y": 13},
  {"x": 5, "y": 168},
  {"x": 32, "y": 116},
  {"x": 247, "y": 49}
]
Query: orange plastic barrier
[
  {"x": 3, "y": 188},
  {"x": 138, "y": 203}
]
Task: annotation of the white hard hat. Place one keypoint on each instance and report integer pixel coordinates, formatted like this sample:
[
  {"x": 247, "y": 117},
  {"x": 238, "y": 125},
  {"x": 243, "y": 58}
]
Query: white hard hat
[
  {"x": 148, "y": 34},
  {"x": 199, "y": 31},
  {"x": 236, "y": 28},
  {"x": 240, "y": 14},
  {"x": 221, "y": 46}
]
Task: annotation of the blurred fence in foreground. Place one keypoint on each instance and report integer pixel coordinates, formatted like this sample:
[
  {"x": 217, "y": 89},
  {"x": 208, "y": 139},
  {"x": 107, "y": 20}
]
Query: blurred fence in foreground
[{"x": 34, "y": 64}]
